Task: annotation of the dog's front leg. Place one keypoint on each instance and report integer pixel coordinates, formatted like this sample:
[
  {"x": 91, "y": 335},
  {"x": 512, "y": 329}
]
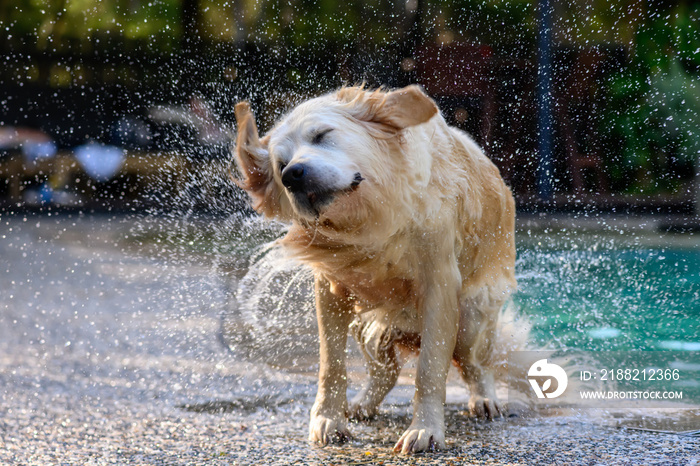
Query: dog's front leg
[
  {"x": 328, "y": 415},
  {"x": 440, "y": 322}
]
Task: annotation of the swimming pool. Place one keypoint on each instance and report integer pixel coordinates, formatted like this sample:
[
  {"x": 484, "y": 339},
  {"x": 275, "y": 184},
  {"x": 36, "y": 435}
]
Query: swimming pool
[{"x": 610, "y": 290}]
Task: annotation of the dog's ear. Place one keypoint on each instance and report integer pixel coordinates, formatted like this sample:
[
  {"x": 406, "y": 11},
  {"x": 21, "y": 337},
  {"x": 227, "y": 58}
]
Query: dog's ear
[
  {"x": 390, "y": 111},
  {"x": 252, "y": 156},
  {"x": 406, "y": 107}
]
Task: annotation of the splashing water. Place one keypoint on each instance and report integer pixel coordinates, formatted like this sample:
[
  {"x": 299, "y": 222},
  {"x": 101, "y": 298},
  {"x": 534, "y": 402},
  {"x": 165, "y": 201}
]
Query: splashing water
[
  {"x": 275, "y": 301},
  {"x": 581, "y": 291},
  {"x": 594, "y": 292}
]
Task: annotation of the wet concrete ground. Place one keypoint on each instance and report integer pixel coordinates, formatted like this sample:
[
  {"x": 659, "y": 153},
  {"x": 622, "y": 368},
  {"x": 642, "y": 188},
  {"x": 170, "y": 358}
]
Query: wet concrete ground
[{"x": 110, "y": 354}]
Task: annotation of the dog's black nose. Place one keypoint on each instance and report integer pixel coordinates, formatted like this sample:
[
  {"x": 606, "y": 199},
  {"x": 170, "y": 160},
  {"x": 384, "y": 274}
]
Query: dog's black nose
[{"x": 293, "y": 177}]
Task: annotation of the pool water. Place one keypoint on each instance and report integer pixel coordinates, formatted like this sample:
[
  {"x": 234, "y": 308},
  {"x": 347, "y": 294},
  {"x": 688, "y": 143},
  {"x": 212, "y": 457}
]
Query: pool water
[
  {"x": 580, "y": 289},
  {"x": 610, "y": 292}
]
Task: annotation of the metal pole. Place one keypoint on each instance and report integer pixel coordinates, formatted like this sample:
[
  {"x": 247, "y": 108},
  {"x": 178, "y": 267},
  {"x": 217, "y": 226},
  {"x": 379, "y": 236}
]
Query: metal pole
[{"x": 544, "y": 101}]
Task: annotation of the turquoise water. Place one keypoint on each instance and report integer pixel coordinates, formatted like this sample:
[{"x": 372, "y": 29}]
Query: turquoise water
[
  {"x": 603, "y": 293},
  {"x": 610, "y": 292},
  {"x": 582, "y": 290}
]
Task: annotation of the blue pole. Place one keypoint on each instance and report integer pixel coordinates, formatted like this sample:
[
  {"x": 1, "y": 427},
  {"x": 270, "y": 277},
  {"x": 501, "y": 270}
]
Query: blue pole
[{"x": 544, "y": 101}]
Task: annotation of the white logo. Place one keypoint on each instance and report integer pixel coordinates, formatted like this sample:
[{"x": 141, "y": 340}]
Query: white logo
[{"x": 543, "y": 369}]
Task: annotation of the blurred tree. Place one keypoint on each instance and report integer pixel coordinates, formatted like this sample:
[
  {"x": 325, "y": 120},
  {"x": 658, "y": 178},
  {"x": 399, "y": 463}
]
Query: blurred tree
[
  {"x": 592, "y": 22},
  {"x": 190, "y": 18},
  {"x": 55, "y": 25},
  {"x": 168, "y": 24},
  {"x": 644, "y": 117},
  {"x": 509, "y": 26},
  {"x": 653, "y": 106}
]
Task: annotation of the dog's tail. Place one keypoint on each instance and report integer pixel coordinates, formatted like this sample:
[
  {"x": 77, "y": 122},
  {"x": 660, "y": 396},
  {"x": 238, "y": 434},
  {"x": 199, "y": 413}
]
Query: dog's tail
[
  {"x": 514, "y": 354},
  {"x": 512, "y": 334}
]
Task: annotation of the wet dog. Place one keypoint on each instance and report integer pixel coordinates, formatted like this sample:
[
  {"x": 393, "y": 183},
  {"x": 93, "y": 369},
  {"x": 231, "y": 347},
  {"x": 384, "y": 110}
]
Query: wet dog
[{"x": 409, "y": 230}]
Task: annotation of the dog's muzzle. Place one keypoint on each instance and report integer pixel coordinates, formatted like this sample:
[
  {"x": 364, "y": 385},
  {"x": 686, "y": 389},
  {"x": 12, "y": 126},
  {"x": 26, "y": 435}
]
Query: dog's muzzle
[{"x": 308, "y": 190}]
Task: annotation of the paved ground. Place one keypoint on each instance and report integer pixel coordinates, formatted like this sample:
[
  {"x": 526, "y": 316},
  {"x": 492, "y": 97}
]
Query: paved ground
[{"x": 110, "y": 354}]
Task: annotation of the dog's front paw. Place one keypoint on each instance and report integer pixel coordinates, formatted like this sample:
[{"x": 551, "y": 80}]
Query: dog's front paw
[
  {"x": 325, "y": 430},
  {"x": 420, "y": 438},
  {"x": 486, "y": 408}
]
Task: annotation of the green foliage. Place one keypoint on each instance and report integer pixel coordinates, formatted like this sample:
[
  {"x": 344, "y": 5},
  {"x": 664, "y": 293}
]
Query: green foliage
[
  {"x": 651, "y": 117},
  {"x": 53, "y": 24},
  {"x": 653, "y": 105},
  {"x": 309, "y": 21},
  {"x": 507, "y": 25}
]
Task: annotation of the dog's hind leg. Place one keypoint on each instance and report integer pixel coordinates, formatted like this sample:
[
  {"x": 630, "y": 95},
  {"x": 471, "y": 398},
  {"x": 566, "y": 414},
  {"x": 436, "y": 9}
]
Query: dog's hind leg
[
  {"x": 383, "y": 369},
  {"x": 474, "y": 353}
]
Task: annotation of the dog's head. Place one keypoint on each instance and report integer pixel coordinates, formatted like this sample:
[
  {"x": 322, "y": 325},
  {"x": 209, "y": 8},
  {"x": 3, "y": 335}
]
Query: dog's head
[{"x": 328, "y": 153}]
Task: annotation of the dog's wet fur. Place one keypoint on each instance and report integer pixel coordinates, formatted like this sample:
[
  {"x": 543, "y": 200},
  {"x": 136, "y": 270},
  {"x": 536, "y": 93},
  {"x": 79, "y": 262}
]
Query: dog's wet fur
[{"x": 409, "y": 229}]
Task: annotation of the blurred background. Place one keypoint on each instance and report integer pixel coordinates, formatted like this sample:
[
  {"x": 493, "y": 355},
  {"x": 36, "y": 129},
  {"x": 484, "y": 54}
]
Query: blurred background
[
  {"x": 146, "y": 317},
  {"x": 129, "y": 103}
]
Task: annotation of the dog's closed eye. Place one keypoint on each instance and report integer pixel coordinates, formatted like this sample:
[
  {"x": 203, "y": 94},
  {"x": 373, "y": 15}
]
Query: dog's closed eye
[{"x": 317, "y": 138}]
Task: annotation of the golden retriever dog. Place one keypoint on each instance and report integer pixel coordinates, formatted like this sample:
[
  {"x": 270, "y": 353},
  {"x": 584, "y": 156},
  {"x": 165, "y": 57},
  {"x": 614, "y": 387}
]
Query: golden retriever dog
[{"x": 409, "y": 230}]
